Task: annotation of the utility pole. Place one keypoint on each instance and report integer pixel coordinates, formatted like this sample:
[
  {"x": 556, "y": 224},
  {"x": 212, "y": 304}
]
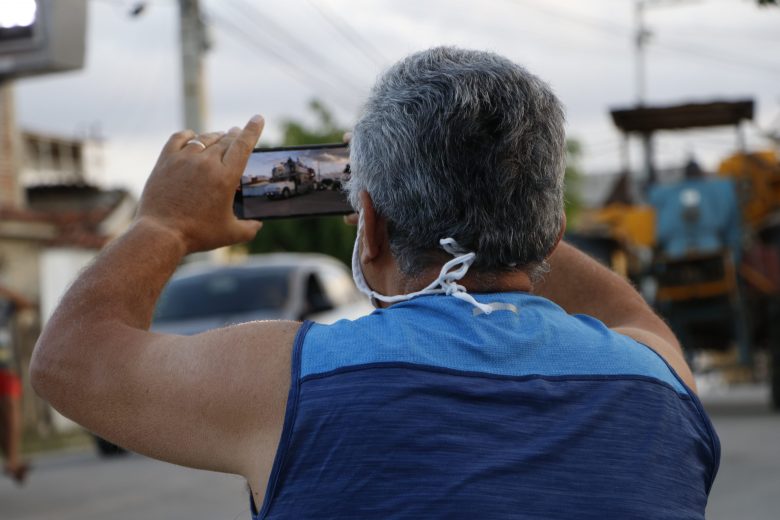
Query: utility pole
[
  {"x": 193, "y": 47},
  {"x": 194, "y": 44},
  {"x": 641, "y": 36},
  {"x": 11, "y": 193}
]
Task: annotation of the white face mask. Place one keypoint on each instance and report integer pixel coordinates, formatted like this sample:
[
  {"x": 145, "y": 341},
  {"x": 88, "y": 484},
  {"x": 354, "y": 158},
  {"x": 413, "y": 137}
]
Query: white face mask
[{"x": 445, "y": 283}]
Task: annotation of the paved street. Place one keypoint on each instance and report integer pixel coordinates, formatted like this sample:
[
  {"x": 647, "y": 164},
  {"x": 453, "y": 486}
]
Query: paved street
[
  {"x": 79, "y": 486},
  {"x": 748, "y": 483}
]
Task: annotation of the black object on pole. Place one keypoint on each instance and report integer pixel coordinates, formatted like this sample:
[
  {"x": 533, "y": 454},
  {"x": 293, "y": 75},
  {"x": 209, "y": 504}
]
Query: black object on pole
[{"x": 41, "y": 36}]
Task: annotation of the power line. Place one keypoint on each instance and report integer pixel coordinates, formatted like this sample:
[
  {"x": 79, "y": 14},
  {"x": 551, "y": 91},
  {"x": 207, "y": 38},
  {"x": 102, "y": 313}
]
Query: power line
[
  {"x": 620, "y": 31},
  {"x": 360, "y": 43},
  {"x": 305, "y": 52},
  {"x": 717, "y": 55},
  {"x": 604, "y": 26},
  {"x": 716, "y": 33},
  {"x": 252, "y": 40}
]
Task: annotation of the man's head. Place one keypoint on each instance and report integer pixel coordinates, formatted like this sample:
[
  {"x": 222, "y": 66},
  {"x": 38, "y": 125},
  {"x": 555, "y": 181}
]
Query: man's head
[{"x": 462, "y": 144}]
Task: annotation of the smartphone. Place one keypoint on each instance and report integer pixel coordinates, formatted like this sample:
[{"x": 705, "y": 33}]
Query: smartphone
[{"x": 294, "y": 181}]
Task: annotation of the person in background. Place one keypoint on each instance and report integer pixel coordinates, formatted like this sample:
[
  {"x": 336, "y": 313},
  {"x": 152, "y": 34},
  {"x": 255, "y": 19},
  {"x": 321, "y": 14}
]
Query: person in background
[{"x": 10, "y": 388}]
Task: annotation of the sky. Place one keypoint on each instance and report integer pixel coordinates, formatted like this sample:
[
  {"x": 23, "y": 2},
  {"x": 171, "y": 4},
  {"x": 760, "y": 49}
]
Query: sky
[{"x": 274, "y": 57}]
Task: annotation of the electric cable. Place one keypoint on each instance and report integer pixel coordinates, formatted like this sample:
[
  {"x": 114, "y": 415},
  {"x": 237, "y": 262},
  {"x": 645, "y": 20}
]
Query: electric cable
[
  {"x": 615, "y": 30},
  {"x": 352, "y": 36},
  {"x": 252, "y": 40},
  {"x": 314, "y": 57}
]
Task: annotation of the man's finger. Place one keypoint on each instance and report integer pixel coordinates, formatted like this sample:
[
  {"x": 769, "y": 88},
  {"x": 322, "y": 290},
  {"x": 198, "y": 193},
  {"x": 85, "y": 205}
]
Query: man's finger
[
  {"x": 206, "y": 140},
  {"x": 245, "y": 230},
  {"x": 237, "y": 154},
  {"x": 225, "y": 141},
  {"x": 177, "y": 140}
]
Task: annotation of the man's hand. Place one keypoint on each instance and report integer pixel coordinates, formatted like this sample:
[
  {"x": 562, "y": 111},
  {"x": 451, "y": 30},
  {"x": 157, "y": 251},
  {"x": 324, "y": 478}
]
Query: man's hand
[{"x": 190, "y": 191}]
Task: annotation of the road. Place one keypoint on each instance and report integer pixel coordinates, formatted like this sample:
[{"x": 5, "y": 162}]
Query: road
[
  {"x": 748, "y": 482},
  {"x": 79, "y": 486},
  {"x": 312, "y": 203}
]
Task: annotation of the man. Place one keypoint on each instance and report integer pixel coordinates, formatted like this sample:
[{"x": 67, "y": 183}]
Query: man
[
  {"x": 10, "y": 388},
  {"x": 464, "y": 395}
]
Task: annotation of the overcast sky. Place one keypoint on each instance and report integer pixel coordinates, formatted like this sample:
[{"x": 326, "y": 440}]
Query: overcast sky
[{"x": 273, "y": 57}]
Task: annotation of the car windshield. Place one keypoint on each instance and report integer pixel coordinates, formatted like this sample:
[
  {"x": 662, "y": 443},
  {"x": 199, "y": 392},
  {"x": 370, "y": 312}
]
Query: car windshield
[{"x": 224, "y": 292}]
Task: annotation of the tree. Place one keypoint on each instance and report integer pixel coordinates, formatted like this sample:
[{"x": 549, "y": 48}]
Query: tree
[
  {"x": 328, "y": 235},
  {"x": 327, "y": 130}
]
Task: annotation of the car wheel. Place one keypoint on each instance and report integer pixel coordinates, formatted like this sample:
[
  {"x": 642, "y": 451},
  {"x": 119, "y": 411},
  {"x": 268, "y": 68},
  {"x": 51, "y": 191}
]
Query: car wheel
[
  {"x": 107, "y": 449},
  {"x": 285, "y": 193}
]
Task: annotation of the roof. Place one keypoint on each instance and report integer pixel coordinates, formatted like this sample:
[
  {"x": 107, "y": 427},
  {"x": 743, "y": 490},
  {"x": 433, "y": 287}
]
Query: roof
[
  {"x": 646, "y": 119},
  {"x": 74, "y": 212}
]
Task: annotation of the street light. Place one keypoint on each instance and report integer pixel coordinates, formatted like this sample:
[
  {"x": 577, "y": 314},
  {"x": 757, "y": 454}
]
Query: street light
[
  {"x": 41, "y": 36},
  {"x": 18, "y": 25},
  {"x": 18, "y": 14}
]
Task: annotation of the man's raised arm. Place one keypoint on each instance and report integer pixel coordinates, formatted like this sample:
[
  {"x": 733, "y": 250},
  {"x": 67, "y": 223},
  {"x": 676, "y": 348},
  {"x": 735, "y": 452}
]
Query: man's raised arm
[
  {"x": 581, "y": 285},
  {"x": 210, "y": 401}
]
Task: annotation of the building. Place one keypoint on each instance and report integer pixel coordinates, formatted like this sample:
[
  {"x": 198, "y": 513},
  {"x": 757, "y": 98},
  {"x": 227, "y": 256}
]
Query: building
[{"x": 53, "y": 221}]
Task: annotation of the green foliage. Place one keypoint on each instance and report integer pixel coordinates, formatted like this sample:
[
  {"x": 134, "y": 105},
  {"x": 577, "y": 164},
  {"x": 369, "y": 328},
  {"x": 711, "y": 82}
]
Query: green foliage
[
  {"x": 766, "y": 2},
  {"x": 573, "y": 181},
  {"x": 328, "y": 235},
  {"x": 327, "y": 130}
]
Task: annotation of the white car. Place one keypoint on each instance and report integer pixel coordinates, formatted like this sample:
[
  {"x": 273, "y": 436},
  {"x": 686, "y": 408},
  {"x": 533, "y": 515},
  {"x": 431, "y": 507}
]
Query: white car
[{"x": 286, "y": 286}]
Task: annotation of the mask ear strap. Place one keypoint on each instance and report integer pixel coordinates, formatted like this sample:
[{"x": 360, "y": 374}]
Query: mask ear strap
[
  {"x": 445, "y": 283},
  {"x": 448, "y": 279}
]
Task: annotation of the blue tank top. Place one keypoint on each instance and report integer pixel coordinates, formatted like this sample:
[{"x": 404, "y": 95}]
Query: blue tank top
[{"x": 429, "y": 409}]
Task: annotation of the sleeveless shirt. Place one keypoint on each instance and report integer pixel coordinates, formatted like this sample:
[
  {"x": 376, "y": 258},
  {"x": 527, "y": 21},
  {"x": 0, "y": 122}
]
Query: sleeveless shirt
[{"x": 431, "y": 409}]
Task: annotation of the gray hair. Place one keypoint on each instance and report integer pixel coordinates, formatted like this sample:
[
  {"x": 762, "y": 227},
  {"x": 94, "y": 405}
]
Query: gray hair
[{"x": 462, "y": 144}]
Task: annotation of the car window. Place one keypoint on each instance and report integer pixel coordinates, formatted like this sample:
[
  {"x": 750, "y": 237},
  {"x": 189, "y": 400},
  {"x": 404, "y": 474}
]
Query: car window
[
  {"x": 224, "y": 292},
  {"x": 316, "y": 299}
]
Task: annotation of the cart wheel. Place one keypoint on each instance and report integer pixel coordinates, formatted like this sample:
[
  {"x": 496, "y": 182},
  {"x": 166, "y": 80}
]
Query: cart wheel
[
  {"x": 774, "y": 372},
  {"x": 774, "y": 351},
  {"x": 107, "y": 449}
]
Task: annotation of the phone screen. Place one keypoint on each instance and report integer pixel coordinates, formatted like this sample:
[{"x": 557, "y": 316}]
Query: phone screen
[{"x": 294, "y": 181}]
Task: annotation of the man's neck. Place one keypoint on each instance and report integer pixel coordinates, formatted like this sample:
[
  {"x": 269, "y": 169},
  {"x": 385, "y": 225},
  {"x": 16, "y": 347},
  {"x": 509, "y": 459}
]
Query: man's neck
[{"x": 474, "y": 282}]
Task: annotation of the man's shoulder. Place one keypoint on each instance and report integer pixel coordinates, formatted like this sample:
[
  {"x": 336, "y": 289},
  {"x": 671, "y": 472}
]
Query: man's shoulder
[{"x": 533, "y": 338}]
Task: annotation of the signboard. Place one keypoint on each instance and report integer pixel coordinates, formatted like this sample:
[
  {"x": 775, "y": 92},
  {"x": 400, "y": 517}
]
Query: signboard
[{"x": 41, "y": 36}]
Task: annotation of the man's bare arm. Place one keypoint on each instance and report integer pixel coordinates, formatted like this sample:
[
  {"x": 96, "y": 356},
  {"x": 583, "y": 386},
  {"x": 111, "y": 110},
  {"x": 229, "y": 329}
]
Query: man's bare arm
[
  {"x": 210, "y": 401},
  {"x": 581, "y": 285}
]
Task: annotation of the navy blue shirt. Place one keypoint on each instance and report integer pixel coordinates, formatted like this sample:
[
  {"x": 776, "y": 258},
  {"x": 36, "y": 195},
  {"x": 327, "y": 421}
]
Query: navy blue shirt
[{"x": 430, "y": 410}]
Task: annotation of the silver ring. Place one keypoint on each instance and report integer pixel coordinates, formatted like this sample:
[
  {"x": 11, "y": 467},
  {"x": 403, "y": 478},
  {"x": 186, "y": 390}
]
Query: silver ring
[{"x": 195, "y": 141}]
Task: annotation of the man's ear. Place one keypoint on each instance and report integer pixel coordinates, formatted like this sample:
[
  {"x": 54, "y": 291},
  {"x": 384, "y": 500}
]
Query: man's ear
[
  {"x": 560, "y": 234},
  {"x": 374, "y": 239}
]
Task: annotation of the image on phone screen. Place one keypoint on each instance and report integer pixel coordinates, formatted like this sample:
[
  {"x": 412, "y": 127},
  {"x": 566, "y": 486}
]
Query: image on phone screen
[{"x": 294, "y": 181}]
